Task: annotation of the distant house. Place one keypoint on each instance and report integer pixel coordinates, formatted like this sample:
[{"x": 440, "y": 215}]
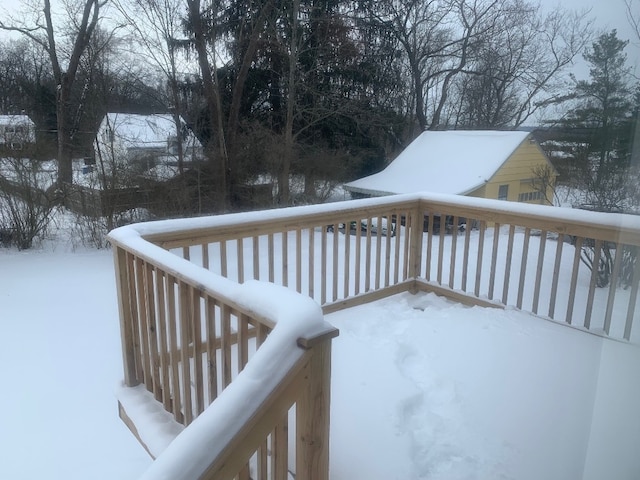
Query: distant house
[
  {"x": 16, "y": 131},
  {"x": 487, "y": 164},
  {"x": 146, "y": 140}
]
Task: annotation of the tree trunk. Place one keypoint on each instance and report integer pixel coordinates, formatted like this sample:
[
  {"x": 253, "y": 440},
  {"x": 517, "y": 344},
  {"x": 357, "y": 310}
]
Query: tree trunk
[
  {"x": 65, "y": 172},
  {"x": 283, "y": 178},
  {"x": 210, "y": 91}
]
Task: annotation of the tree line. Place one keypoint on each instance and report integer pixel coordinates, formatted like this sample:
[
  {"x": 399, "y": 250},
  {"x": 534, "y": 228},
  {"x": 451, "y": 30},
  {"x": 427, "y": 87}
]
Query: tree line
[{"x": 322, "y": 89}]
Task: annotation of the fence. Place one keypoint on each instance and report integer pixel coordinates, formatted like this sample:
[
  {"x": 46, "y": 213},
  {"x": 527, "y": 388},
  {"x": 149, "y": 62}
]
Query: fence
[
  {"x": 187, "y": 334},
  {"x": 485, "y": 252}
]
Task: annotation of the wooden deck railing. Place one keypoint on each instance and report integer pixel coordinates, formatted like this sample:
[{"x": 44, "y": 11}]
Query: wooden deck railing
[
  {"x": 190, "y": 337},
  {"x": 487, "y": 252},
  {"x": 188, "y": 330}
]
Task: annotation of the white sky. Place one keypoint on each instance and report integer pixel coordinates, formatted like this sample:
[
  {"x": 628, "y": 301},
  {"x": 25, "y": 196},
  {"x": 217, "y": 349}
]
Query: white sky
[{"x": 607, "y": 14}]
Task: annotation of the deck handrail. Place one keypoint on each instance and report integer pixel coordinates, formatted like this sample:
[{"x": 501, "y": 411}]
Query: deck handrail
[
  {"x": 288, "y": 365},
  {"x": 343, "y": 270},
  {"x": 181, "y": 281}
]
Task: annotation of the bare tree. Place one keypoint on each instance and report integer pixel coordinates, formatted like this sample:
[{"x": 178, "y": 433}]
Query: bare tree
[
  {"x": 518, "y": 67},
  {"x": 158, "y": 28},
  {"x": 633, "y": 15},
  {"x": 84, "y": 17},
  {"x": 544, "y": 182},
  {"x": 26, "y": 208}
]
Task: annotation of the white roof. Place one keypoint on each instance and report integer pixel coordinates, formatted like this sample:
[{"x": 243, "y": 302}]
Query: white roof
[
  {"x": 15, "y": 120},
  {"x": 456, "y": 161},
  {"x": 142, "y": 131}
]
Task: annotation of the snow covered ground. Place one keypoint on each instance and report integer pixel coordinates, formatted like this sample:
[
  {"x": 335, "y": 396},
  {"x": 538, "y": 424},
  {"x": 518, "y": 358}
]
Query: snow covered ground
[{"x": 422, "y": 388}]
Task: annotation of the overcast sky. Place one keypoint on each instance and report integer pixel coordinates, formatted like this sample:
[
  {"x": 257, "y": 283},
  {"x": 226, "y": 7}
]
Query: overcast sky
[{"x": 608, "y": 14}]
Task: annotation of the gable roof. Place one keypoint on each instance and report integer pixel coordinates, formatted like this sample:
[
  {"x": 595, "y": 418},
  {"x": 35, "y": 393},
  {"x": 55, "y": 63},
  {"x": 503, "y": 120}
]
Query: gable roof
[
  {"x": 15, "y": 120},
  {"x": 455, "y": 161},
  {"x": 142, "y": 131}
]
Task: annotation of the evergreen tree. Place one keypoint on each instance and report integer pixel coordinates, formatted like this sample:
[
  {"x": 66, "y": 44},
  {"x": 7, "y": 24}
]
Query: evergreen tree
[{"x": 604, "y": 111}]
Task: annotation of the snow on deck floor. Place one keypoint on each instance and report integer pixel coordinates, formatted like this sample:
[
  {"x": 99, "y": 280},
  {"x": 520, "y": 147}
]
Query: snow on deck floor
[
  {"x": 438, "y": 391},
  {"x": 425, "y": 388}
]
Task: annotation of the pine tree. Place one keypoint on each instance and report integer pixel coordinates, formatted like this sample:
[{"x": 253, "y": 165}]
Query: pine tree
[{"x": 604, "y": 110}]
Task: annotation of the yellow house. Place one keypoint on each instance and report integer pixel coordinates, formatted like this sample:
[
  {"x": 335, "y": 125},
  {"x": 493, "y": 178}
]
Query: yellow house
[{"x": 504, "y": 165}]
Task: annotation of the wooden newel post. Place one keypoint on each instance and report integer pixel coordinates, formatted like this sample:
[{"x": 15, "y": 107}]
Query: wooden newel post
[
  {"x": 415, "y": 223},
  {"x": 126, "y": 295},
  {"x": 312, "y": 414}
]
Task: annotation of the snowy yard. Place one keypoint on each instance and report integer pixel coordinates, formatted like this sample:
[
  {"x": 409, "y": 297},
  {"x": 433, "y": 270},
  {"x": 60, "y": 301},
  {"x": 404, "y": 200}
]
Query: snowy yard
[{"x": 422, "y": 388}]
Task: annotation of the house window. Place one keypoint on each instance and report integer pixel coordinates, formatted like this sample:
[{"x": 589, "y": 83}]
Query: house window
[
  {"x": 503, "y": 192},
  {"x": 530, "y": 196}
]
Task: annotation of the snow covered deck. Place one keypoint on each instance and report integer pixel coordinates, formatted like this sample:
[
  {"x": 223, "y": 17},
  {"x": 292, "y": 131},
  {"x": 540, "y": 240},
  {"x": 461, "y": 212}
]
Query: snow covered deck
[
  {"x": 444, "y": 390},
  {"x": 190, "y": 335},
  {"x": 427, "y": 388}
]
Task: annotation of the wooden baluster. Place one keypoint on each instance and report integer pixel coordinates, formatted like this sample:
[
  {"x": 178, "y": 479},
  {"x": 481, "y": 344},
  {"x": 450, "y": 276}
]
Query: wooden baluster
[
  {"x": 299, "y": 260},
  {"x": 285, "y": 259},
  {"x": 223, "y": 258},
  {"x": 538, "y": 283},
  {"x": 212, "y": 357},
  {"x": 367, "y": 266},
  {"x": 633, "y": 295},
  {"x": 240, "y": 259},
  {"x": 185, "y": 350},
  {"x": 358, "y": 260},
  {"x": 443, "y": 230},
  {"x": 205, "y": 256},
  {"x": 152, "y": 331},
  {"x": 280, "y": 450},
  {"x": 312, "y": 261},
  {"x": 243, "y": 341},
  {"x": 198, "y": 352},
  {"x": 397, "y": 230},
  {"x": 271, "y": 258},
  {"x": 378, "y": 250},
  {"x": 523, "y": 266},
  {"x": 334, "y": 252},
  {"x": 430, "y": 227},
  {"x": 465, "y": 255},
  {"x": 144, "y": 324},
  {"x": 174, "y": 349},
  {"x": 454, "y": 246},
  {"x": 323, "y": 265},
  {"x": 347, "y": 259},
  {"x": 262, "y": 461},
  {"x": 592, "y": 284},
  {"x": 256, "y": 257},
  {"x": 507, "y": 268},
  {"x": 613, "y": 285},
  {"x": 556, "y": 275},
  {"x": 163, "y": 354},
  {"x": 410, "y": 223},
  {"x": 574, "y": 279},
  {"x": 483, "y": 227},
  {"x": 387, "y": 251},
  {"x": 494, "y": 257},
  {"x": 225, "y": 344}
]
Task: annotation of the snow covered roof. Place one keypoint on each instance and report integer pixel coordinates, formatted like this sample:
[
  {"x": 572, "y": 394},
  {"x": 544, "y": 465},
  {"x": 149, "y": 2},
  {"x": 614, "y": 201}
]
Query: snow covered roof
[
  {"x": 142, "y": 131},
  {"x": 15, "y": 120},
  {"x": 455, "y": 161}
]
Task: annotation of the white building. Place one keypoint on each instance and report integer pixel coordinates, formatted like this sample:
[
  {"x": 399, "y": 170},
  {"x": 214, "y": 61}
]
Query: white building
[
  {"x": 146, "y": 139},
  {"x": 16, "y": 131}
]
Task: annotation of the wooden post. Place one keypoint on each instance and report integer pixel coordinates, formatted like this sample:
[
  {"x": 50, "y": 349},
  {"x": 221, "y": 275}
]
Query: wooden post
[
  {"x": 415, "y": 244},
  {"x": 312, "y": 416},
  {"x": 125, "y": 297}
]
